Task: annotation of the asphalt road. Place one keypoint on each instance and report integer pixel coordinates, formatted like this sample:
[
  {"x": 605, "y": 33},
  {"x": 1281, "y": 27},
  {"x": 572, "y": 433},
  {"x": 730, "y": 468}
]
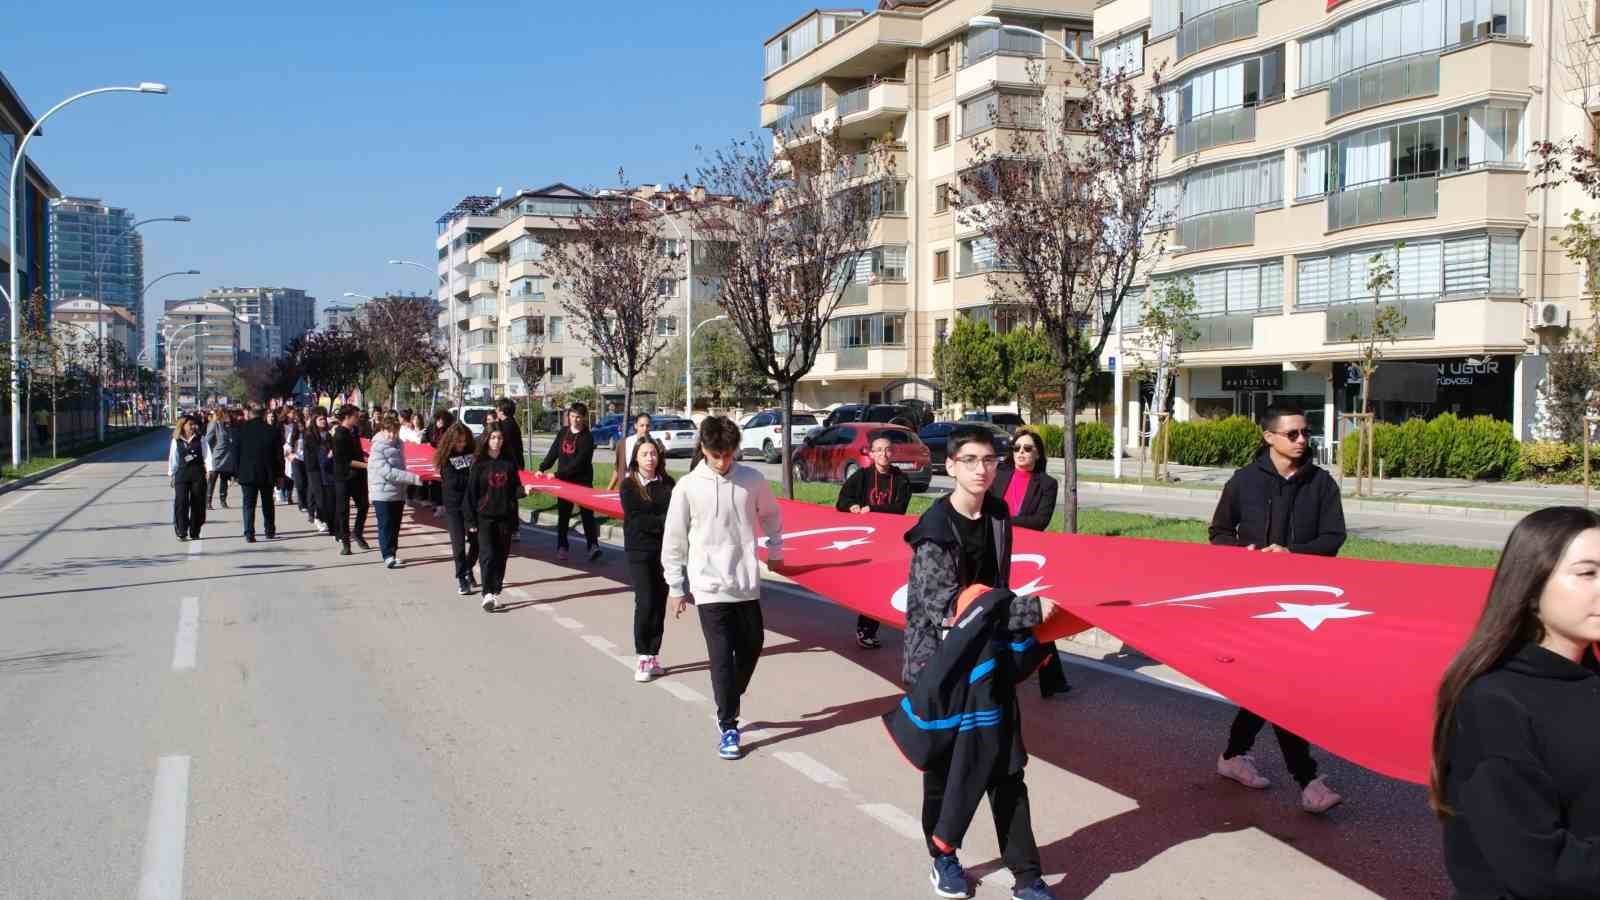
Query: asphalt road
[{"x": 274, "y": 720}]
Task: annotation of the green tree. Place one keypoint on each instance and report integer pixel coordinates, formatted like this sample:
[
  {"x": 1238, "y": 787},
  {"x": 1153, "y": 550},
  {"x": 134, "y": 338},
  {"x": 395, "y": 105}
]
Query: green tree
[
  {"x": 968, "y": 364},
  {"x": 1030, "y": 372}
]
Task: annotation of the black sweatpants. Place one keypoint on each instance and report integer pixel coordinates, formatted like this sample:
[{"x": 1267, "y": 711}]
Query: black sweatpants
[
  {"x": 298, "y": 472},
  {"x": 252, "y": 494},
  {"x": 494, "y": 539},
  {"x": 350, "y": 490},
  {"x": 1013, "y": 820},
  {"x": 211, "y": 485},
  {"x": 463, "y": 543},
  {"x": 866, "y": 626},
  {"x": 325, "y": 505},
  {"x": 734, "y": 637},
  {"x": 591, "y": 529},
  {"x": 1296, "y": 749},
  {"x": 189, "y": 507},
  {"x": 649, "y": 605}
]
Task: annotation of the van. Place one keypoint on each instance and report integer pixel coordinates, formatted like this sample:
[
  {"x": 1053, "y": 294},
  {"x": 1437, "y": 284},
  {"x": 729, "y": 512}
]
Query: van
[{"x": 473, "y": 417}]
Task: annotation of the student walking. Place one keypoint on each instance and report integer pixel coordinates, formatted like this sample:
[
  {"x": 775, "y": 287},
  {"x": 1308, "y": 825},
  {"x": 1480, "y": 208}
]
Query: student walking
[
  {"x": 881, "y": 488},
  {"x": 512, "y": 431},
  {"x": 708, "y": 552},
  {"x": 1280, "y": 503},
  {"x": 219, "y": 441},
  {"x": 493, "y": 489},
  {"x": 260, "y": 463},
  {"x": 646, "y": 496},
  {"x": 349, "y": 480},
  {"x": 186, "y": 470},
  {"x": 641, "y": 427},
  {"x": 453, "y": 457},
  {"x": 294, "y": 458},
  {"x": 313, "y": 454},
  {"x": 961, "y": 540},
  {"x": 387, "y": 480},
  {"x": 1515, "y": 735},
  {"x": 1029, "y": 494},
  {"x": 572, "y": 454}
]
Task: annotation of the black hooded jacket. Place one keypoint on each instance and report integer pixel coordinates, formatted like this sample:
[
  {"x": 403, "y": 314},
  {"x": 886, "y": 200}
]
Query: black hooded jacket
[
  {"x": 1302, "y": 513},
  {"x": 453, "y": 478},
  {"x": 572, "y": 455}
]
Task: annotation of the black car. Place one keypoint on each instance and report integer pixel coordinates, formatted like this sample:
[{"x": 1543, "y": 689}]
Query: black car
[
  {"x": 1009, "y": 421},
  {"x": 887, "y": 413},
  {"x": 938, "y": 433}
]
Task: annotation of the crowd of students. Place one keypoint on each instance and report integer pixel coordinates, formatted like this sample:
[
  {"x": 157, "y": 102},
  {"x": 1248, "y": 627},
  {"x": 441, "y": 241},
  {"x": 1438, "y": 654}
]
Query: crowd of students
[{"x": 1517, "y": 730}]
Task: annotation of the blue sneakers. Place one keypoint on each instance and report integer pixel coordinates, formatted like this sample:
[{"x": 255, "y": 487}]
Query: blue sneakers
[
  {"x": 728, "y": 747},
  {"x": 947, "y": 877},
  {"x": 1036, "y": 891}
]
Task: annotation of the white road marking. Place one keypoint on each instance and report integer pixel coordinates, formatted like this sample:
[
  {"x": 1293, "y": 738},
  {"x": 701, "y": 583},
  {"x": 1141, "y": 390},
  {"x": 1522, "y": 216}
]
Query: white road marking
[
  {"x": 682, "y": 692},
  {"x": 162, "y": 874},
  {"x": 898, "y": 820},
  {"x": 518, "y": 594},
  {"x": 565, "y": 622},
  {"x": 22, "y": 497},
  {"x": 197, "y": 547},
  {"x": 811, "y": 768},
  {"x": 599, "y": 643},
  {"x": 188, "y": 640}
]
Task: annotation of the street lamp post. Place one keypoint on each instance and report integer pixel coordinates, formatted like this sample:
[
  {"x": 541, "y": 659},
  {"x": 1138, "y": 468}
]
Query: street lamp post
[
  {"x": 172, "y": 353},
  {"x": 450, "y": 312},
  {"x": 144, "y": 87},
  {"x": 100, "y": 300},
  {"x": 689, "y": 354}
]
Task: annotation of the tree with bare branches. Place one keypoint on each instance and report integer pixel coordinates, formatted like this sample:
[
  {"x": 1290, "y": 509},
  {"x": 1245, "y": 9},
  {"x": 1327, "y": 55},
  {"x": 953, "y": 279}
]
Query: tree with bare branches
[
  {"x": 614, "y": 281},
  {"x": 787, "y": 244},
  {"x": 332, "y": 362},
  {"x": 1066, "y": 200},
  {"x": 397, "y": 333}
]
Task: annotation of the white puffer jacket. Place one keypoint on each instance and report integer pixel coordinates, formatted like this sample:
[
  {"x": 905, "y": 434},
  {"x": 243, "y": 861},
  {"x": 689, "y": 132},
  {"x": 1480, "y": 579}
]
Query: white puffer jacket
[{"x": 386, "y": 469}]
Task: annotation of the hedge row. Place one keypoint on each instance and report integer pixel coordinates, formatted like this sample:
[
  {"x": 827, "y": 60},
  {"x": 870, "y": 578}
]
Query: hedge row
[
  {"x": 1479, "y": 448},
  {"x": 1094, "y": 440},
  {"x": 1230, "y": 442},
  {"x": 1553, "y": 462}
]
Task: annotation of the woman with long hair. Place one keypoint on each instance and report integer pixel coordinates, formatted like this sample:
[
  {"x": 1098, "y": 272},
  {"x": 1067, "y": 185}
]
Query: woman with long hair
[
  {"x": 186, "y": 470},
  {"x": 1030, "y": 497},
  {"x": 219, "y": 447},
  {"x": 294, "y": 456},
  {"x": 387, "y": 479},
  {"x": 313, "y": 447},
  {"x": 493, "y": 489},
  {"x": 572, "y": 453},
  {"x": 641, "y": 427},
  {"x": 452, "y": 460},
  {"x": 646, "y": 494},
  {"x": 1516, "y": 734}
]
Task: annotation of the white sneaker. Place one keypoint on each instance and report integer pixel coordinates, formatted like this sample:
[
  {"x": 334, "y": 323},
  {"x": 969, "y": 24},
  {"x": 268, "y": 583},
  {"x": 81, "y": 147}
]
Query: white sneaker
[
  {"x": 396, "y": 562},
  {"x": 489, "y": 602},
  {"x": 391, "y": 563},
  {"x": 1242, "y": 769},
  {"x": 1317, "y": 798},
  {"x": 322, "y": 528},
  {"x": 655, "y": 667},
  {"x": 642, "y": 672}
]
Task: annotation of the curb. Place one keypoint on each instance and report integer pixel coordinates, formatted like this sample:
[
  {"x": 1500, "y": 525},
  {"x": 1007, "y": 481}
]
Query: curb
[
  {"x": 36, "y": 477},
  {"x": 1478, "y": 513}
]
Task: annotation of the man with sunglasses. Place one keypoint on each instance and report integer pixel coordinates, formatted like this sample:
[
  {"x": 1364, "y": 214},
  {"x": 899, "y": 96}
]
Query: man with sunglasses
[{"x": 1280, "y": 503}]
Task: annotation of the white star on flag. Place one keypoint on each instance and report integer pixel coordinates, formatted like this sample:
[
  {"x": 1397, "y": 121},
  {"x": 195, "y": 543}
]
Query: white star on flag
[
  {"x": 1313, "y": 615},
  {"x": 844, "y": 545},
  {"x": 1031, "y": 588}
]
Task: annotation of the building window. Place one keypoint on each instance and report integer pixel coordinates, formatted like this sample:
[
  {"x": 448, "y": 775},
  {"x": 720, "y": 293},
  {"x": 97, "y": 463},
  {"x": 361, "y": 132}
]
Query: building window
[
  {"x": 941, "y": 330},
  {"x": 666, "y": 326},
  {"x": 1454, "y": 142},
  {"x": 1081, "y": 42},
  {"x": 941, "y": 62},
  {"x": 1234, "y": 290},
  {"x": 941, "y": 130},
  {"x": 978, "y": 255},
  {"x": 526, "y": 248},
  {"x": 1122, "y": 57},
  {"x": 877, "y": 330},
  {"x": 941, "y": 198},
  {"x": 555, "y": 366},
  {"x": 994, "y": 110},
  {"x": 1405, "y": 29},
  {"x": 1254, "y": 184},
  {"x": 667, "y": 247},
  {"x": 603, "y": 373},
  {"x": 528, "y": 288},
  {"x": 667, "y": 287},
  {"x": 557, "y": 329},
  {"x": 1477, "y": 264},
  {"x": 941, "y": 265}
]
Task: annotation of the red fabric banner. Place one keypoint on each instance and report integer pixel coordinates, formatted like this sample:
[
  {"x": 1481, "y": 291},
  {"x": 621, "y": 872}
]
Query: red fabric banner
[{"x": 1347, "y": 653}]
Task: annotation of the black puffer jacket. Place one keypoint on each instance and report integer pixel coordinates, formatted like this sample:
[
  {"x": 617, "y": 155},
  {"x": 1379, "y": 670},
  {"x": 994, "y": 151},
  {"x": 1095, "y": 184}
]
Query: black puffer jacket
[
  {"x": 453, "y": 478},
  {"x": 1302, "y": 513}
]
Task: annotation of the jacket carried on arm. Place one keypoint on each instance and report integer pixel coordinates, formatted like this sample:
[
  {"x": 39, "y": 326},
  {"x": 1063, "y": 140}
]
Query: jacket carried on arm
[{"x": 1302, "y": 513}]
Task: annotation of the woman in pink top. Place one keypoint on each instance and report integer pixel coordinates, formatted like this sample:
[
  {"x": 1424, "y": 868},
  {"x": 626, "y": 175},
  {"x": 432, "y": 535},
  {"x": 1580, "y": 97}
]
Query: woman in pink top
[{"x": 1030, "y": 494}]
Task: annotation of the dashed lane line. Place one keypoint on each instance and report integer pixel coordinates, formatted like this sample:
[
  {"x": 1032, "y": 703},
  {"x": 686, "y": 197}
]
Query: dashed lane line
[
  {"x": 681, "y": 691},
  {"x": 187, "y": 642},
  {"x": 161, "y": 876},
  {"x": 898, "y": 820},
  {"x": 197, "y": 547},
  {"x": 571, "y": 624}
]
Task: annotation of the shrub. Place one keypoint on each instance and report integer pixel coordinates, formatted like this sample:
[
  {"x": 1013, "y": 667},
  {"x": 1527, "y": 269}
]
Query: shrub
[
  {"x": 1229, "y": 442},
  {"x": 1480, "y": 448},
  {"x": 1094, "y": 441},
  {"x": 1554, "y": 462},
  {"x": 1052, "y": 436},
  {"x": 1484, "y": 448}
]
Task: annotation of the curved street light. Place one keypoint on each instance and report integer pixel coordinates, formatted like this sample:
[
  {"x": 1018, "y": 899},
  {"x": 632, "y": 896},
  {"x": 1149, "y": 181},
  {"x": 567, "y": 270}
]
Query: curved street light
[{"x": 143, "y": 87}]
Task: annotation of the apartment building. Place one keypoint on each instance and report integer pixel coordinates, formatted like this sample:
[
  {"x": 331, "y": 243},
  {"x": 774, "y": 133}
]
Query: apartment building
[
  {"x": 201, "y": 340},
  {"x": 81, "y": 322},
  {"x": 282, "y": 314},
  {"x": 1310, "y": 136},
  {"x": 498, "y": 302},
  {"x": 96, "y": 253},
  {"x": 913, "y": 76},
  {"x": 34, "y": 193}
]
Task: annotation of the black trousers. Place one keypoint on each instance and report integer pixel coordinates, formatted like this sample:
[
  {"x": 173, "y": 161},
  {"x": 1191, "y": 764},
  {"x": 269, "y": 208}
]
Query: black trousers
[
  {"x": 734, "y": 637},
  {"x": 1013, "y": 820},
  {"x": 649, "y": 605},
  {"x": 350, "y": 490},
  {"x": 189, "y": 507},
  {"x": 463, "y": 543},
  {"x": 211, "y": 485},
  {"x": 298, "y": 473},
  {"x": 866, "y": 626},
  {"x": 253, "y": 493},
  {"x": 591, "y": 529},
  {"x": 325, "y": 506},
  {"x": 1052, "y": 678},
  {"x": 1296, "y": 749},
  {"x": 494, "y": 538}
]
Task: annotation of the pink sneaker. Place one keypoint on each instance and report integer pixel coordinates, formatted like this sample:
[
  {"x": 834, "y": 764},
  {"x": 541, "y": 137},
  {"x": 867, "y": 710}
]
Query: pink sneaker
[
  {"x": 655, "y": 667},
  {"x": 642, "y": 672},
  {"x": 561, "y": 554}
]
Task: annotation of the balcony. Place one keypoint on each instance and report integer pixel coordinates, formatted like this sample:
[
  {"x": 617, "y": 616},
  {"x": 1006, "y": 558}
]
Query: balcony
[
  {"x": 1233, "y": 228},
  {"x": 879, "y": 293},
  {"x": 862, "y": 362},
  {"x": 1384, "y": 201},
  {"x": 1228, "y": 126},
  {"x": 1234, "y": 331},
  {"x": 1347, "y": 322},
  {"x": 483, "y": 287},
  {"x": 1227, "y": 23},
  {"x": 864, "y": 111},
  {"x": 1384, "y": 82},
  {"x": 864, "y": 47},
  {"x": 868, "y": 163}
]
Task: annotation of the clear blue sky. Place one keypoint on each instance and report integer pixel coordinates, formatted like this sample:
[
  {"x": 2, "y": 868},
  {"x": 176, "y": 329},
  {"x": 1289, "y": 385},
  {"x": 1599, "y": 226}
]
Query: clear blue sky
[{"x": 313, "y": 141}]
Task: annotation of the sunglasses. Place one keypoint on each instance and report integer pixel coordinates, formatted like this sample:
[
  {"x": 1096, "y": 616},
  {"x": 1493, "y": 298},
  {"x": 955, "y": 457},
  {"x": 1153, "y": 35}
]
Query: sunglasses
[{"x": 1294, "y": 434}]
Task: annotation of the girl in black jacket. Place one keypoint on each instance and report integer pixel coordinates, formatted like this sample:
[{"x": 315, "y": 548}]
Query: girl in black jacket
[
  {"x": 186, "y": 467},
  {"x": 313, "y": 444},
  {"x": 572, "y": 453},
  {"x": 1516, "y": 734},
  {"x": 452, "y": 460},
  {"x": 1030, "y": 497},
  {"x": 493, "y": 489},
  {"x": 646, "y": 493}
]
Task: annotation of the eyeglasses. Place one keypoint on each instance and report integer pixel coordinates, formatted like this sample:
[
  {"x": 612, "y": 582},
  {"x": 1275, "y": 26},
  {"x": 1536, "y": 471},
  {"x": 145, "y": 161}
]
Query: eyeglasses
[
  {"x": 1293, "y": 434},
  {"x": 1023, "y": 448},
  {"x": 973, "y": 462},
  {"x": 880, "y": 450}
]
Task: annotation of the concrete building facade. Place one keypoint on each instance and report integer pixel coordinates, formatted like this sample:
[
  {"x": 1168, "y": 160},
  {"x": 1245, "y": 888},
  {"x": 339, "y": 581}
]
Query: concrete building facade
[
  {"x": 199, "y": 342},
  {"x": 82, "y": 321},
  {"x": 95, "y": 253},
  {"x": 282, "y": 314},
  {"x": 34, "y": 192}
]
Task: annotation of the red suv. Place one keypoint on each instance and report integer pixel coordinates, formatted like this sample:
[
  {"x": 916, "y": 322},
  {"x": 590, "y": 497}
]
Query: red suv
[{"x": 834, "y": 454}]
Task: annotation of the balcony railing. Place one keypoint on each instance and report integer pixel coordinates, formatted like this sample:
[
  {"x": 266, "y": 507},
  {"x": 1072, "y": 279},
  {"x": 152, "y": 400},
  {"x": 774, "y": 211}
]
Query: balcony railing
[
  {"x": 1232, "y": 228},
  {"x": 859, "y": 99},
  {"x": 1234, "y": 331},
  {"x": 1218, "y": 27},
  {"x": 855, "y": 294},
  {"x": 850, "y": 358},
  {"x": 1226, "y": 126},
  {"x": 1384, "y": 201},
  {"x": 1384, "y": 82},
  {"x": 1350, "y": 321},
  {"x": 983, "y": 43}
]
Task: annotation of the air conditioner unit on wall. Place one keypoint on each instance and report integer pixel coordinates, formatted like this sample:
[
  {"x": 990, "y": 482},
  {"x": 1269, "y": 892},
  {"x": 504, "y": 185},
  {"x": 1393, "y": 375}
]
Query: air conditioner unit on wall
[{"x": 1548, "y": 315}]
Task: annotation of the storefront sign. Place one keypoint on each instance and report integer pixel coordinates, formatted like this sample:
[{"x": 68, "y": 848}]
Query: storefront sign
[
  {"x": 1252, "y": 378},
  {"x": 1467, "y": 372}
]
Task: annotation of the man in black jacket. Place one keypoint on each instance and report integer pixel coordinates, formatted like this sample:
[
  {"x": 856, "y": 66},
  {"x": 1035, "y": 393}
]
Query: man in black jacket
[
  {"x": 1280, "y": 503},
  {"x": 965, "y": 539},
  {"x": 349, "y": 479},
  {"x": 879, "y": 488},
  {"x": 259, "y": 455},
  {"x": 511, "y": 432}
]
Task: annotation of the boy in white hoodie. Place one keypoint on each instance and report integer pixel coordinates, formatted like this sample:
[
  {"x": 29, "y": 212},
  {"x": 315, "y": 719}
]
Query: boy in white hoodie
[{"x": 708, "y": 554}]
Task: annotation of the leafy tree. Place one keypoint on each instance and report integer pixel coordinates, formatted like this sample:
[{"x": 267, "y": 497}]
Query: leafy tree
[
  {"x": 333, "y": 362},
  {"x": 397, "y": 333},
  {"x": 1029, "y": 371},
  {"x": 1376, "y": 328},
  {"x": 968, "y": 364}
]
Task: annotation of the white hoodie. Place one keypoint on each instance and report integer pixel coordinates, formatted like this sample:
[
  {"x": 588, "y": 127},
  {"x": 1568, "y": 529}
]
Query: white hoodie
[{"x": 709, "y": 546}]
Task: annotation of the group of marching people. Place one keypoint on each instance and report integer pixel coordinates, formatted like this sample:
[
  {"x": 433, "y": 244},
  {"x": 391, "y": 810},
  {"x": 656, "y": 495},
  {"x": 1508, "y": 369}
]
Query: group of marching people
[{"x": 1517, "y": 729}]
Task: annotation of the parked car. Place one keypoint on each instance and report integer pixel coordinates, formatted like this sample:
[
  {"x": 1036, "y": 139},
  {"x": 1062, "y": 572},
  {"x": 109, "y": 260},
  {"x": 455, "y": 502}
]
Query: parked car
[
  {"x": 834, "y": 454},
  {"x": 473, "y": 417},
  {"x": 937, "y": 436},
  {"x": 1009, "y": 421},
  {"x": 606, "y": 431},
  {"x": 877, "y": 412},
  {"x": 675, "y": 433},
  {"x": 762, "y": 433}
]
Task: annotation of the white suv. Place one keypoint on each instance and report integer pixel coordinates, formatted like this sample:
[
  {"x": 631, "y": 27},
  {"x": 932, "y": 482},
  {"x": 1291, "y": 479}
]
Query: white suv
[{"x": 762, "y": 433}]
